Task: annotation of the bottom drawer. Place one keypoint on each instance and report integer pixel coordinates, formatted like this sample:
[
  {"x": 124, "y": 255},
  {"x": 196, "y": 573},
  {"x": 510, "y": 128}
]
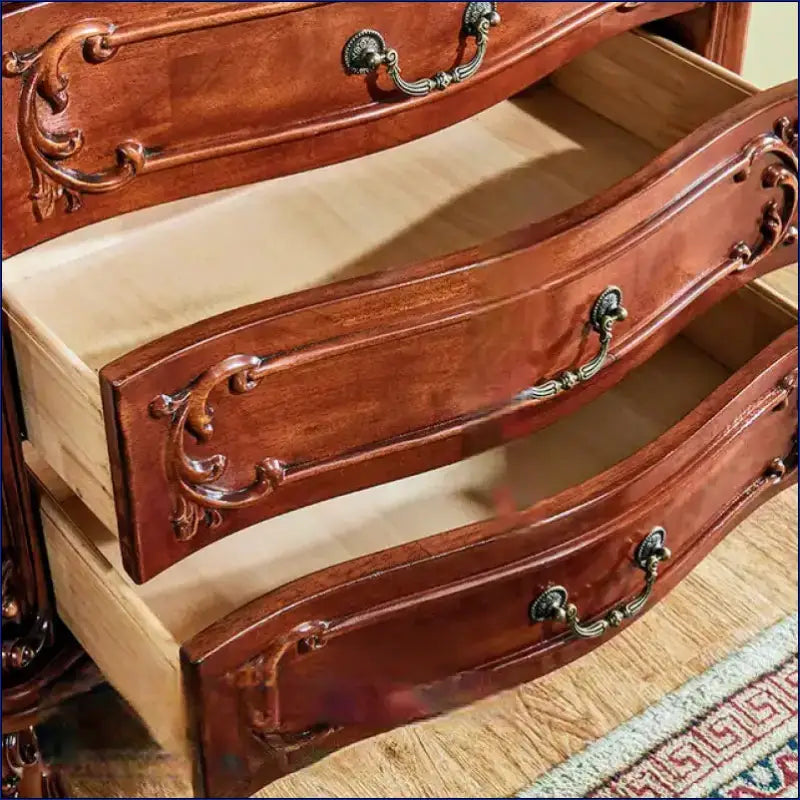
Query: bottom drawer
[{"x": 551, "y": 543}]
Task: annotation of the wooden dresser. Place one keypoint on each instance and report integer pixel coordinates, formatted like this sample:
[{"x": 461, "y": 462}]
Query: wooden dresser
[{"x": 363, "y": 359}]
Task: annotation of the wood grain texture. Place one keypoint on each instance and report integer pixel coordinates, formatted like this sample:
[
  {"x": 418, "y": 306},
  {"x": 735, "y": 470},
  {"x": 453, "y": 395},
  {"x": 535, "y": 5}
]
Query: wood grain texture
[
  {"x": 728, "y": 35},
  {"x": 479, "y": 567},
  {"x": 187, "y": 67},
  {"x": 100, "y": 603},
  {"x": 497, "y": 746},
  {"x": 450, "y": 191},
  {"x": 307, "y": 689},
  {"x": 656, "y": 74},
  {"x": 53, "y": 188}
]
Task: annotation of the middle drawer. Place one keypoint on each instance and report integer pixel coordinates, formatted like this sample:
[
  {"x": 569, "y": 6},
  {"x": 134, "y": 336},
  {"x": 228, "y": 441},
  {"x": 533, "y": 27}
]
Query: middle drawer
[{"x": 514, "y": 290}]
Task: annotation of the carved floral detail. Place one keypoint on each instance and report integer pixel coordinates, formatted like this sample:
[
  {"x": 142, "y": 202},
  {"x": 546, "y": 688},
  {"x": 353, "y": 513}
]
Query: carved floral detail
[
  {"x": 46, "y": 149},
  {"x": 198, "y": 498},
  {"x": 776, "y": 226}
]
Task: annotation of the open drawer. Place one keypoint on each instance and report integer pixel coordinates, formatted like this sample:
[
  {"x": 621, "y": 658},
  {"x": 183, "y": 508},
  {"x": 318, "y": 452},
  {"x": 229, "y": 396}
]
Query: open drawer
[
  {"x": 351, "y": 638},
  {"x": 192, "y": 369}
]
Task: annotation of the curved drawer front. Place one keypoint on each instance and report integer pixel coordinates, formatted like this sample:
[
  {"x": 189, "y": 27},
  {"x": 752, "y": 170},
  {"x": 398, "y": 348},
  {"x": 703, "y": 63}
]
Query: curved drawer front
[
  {"x": 285, "y": 403},
  {"x": 413, "y": 631},
  {"x": 211, "y": 95}
]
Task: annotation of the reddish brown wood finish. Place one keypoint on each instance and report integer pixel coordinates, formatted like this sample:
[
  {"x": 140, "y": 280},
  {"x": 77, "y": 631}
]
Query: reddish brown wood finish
[
  {"x": 61, "y": 673},
  {"x": 412, "y": 631},
  {"x": 369, "y": 380},
  {"x": 717, "y": 31},
  {"x": 150, "y": 102},
  {"x": 24, "y": 772}
]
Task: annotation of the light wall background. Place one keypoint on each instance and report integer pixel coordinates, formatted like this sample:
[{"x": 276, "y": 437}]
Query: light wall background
[{"x": 770, "y": 56}]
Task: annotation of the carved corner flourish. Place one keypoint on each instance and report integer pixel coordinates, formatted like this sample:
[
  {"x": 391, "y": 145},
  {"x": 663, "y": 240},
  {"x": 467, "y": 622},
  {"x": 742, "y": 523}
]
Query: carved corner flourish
[
  {"x": 46, "y": 149},
  {"x": 198, "y": 497},
  {"x": 776, "y": 226},
  {"x": 257, "y": 683}
]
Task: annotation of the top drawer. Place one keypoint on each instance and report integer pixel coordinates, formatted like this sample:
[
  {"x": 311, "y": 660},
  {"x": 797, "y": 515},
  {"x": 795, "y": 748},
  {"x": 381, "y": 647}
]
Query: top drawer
[
  {"x": 466, "y": 269},
  {"x": 171, "y": 100}
]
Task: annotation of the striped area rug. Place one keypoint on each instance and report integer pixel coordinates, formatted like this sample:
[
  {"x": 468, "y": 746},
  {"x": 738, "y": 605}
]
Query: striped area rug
[{"x": 730, "y": 732}]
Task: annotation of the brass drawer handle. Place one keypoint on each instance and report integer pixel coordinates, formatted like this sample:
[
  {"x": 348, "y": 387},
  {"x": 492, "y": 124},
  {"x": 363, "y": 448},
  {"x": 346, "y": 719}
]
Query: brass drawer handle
[
  {"x": 606, "y": 310},
  {"x": 366, "y": 50},
  {"x": 552, "y": 603}
]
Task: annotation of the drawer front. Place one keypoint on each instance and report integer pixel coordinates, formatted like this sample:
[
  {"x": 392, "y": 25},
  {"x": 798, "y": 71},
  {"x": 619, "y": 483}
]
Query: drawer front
[
  {"x": 416, "y": 630},
  {"x": 285, "y": 403},
  {"x": 233, "y": 93}
]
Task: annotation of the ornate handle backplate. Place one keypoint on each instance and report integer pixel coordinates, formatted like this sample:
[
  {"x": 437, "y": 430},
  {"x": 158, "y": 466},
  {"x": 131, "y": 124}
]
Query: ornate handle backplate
[
  {"x": 606, "y": 310},
  {"x": 366, "y": 50},
  {"x": 552, "y": 604}
]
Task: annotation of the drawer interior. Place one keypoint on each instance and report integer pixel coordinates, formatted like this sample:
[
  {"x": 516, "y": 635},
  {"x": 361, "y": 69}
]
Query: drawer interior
[
  {"x": 79, "y": 302},
  {"x": 134, "y": 632}
]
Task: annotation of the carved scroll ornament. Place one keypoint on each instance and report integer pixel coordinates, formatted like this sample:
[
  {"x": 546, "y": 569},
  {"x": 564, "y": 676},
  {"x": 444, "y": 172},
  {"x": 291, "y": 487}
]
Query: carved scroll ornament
[
  {"x": 45, "y": 149},
  {"x": 777, "y": 218},
  {"x": 198, "y": 496},
  {"x": 257, "y": 682}
]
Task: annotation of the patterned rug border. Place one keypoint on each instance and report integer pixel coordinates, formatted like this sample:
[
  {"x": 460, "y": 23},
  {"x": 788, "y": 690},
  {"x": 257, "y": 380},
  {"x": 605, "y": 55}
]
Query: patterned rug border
[
  {"x": 770, "y": 761},
  {"x": 626, "y": 744},
  {"x": 704, "y": 730}
]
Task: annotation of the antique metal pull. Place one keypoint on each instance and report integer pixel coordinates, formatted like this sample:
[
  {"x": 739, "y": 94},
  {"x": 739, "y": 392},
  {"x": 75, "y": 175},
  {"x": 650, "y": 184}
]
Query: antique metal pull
[
  {"x": 366, "y": 50},
  {"x": 552, "y": 603},
  {"x": 607, "y": 310}
]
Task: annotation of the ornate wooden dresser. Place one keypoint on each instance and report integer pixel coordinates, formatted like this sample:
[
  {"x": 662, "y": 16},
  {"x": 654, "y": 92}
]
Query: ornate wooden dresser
[{"x": 363, "y": 359}]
